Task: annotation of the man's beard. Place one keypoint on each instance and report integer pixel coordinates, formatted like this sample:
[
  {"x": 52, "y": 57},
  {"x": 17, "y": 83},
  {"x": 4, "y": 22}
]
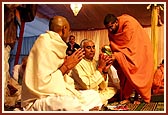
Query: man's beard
[{"x": 115, "y": 30}]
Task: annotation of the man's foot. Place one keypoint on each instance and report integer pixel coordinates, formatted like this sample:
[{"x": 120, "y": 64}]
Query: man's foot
[
  {"x": 125, "y": 101},
  {"x": 128, "y": 101},
  {"x": 137, "y": 102}
]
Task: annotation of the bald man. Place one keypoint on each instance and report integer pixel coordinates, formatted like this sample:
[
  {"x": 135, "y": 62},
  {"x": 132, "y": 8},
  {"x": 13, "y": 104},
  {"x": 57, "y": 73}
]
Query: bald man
[{"x": 46, "y": 85}]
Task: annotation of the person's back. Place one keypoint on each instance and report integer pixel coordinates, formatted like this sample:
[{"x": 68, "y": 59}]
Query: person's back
[{"x": 45, "y": 84}]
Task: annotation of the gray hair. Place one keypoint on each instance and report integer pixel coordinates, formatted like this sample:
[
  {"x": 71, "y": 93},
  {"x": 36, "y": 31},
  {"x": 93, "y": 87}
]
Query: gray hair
[{"x": 84, "y": 41}]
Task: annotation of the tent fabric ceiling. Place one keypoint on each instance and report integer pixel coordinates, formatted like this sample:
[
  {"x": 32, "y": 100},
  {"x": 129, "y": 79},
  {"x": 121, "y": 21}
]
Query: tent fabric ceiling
[{"x": 91, "y": 15}]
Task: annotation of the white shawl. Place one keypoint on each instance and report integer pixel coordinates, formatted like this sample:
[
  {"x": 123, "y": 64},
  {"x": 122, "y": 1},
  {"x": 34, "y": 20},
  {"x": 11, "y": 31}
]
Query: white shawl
[{"x": 42, "y": 75}]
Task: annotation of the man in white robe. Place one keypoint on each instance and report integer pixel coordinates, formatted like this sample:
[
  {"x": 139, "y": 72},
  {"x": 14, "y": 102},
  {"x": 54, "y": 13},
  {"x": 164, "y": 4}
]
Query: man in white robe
[
  {"x": 46, "y": 85},
  {"x": 92, "y": 74}
]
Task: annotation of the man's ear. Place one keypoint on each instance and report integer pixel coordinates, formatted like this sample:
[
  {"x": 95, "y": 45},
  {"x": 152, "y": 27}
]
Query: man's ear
[{"x": 63, "y": 30}]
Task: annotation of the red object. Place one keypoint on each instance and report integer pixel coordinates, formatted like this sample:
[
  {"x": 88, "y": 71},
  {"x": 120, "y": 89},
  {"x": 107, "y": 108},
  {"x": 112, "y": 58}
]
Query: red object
[{"x": 19, "y": 43}]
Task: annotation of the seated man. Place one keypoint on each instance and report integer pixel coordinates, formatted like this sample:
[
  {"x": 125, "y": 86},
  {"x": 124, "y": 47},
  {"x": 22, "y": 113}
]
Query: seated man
[
  {"x": 90, "y": 74},
  {"x": 46, "y": 85},
  {"x": 72, "y": 45}
]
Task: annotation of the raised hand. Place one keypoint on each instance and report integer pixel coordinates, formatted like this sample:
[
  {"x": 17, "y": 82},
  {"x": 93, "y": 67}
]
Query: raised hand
[
  {"x": 101, "y": 62},
  {"x": 105, "y": 61},
  {"x": 72, "y": 60},
  {"x": 109, "y": 61}
]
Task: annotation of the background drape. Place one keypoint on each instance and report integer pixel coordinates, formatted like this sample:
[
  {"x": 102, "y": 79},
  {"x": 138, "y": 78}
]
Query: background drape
[{"x": 100, "y": 38}]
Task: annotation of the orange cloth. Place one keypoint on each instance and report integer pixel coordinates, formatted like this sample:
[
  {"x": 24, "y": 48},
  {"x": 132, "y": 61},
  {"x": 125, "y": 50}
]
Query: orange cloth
[
  {"x": 158, "y": 80},
  {"x": 133, "y": 51}
]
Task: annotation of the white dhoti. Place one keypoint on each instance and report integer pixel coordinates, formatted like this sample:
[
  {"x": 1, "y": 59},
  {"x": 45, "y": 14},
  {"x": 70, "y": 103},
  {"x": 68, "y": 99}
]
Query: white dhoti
[{"x": 66, "y": 103}]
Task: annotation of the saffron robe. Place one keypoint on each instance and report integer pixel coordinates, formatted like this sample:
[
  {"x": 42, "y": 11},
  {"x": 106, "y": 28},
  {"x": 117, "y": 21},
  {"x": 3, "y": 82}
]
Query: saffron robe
[
  {"x": 158, "y": 80},
  {"x": 44, "y": 88},
  {"x": 133, "y": 51}
]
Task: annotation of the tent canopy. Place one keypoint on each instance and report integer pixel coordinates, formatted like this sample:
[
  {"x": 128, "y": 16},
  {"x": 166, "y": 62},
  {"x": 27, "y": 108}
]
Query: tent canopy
[{"x": 90, "y": 17}]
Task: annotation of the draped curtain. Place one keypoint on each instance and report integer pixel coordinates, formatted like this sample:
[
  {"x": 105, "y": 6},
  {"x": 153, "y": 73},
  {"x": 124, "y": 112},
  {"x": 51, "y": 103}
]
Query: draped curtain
[{"x": 99, "y": 37}]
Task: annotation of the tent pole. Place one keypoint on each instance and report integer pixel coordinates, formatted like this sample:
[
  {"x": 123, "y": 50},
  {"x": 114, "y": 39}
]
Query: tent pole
[
  {"x": 19, "y": 43},
  {"x": 154, "y": 34}
]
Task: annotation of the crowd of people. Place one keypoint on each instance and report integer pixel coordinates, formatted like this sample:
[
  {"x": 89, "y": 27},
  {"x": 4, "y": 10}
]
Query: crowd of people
[{"x": 64, "y": 76}]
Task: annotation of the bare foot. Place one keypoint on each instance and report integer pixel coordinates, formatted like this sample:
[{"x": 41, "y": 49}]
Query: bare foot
[
  {"x": 124, "y": 101},
  {"x": 137, "y": 102}
]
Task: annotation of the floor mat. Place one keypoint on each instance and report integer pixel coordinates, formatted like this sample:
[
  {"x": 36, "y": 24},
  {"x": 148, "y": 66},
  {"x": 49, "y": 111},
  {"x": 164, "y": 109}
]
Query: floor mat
[{"x": 156, "y": 104}]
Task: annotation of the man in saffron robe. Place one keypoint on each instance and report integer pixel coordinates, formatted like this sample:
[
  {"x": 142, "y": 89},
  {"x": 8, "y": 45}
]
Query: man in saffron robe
[
  {"x": 132, "y": 49},
  {"x": 46, "y": 85}
]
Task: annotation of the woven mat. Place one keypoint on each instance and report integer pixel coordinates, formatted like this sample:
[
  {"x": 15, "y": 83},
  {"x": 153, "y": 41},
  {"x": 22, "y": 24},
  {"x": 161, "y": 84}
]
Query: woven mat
[
  {"x": 156, "y": 104},
  {"x": 153, "y": 106}
]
